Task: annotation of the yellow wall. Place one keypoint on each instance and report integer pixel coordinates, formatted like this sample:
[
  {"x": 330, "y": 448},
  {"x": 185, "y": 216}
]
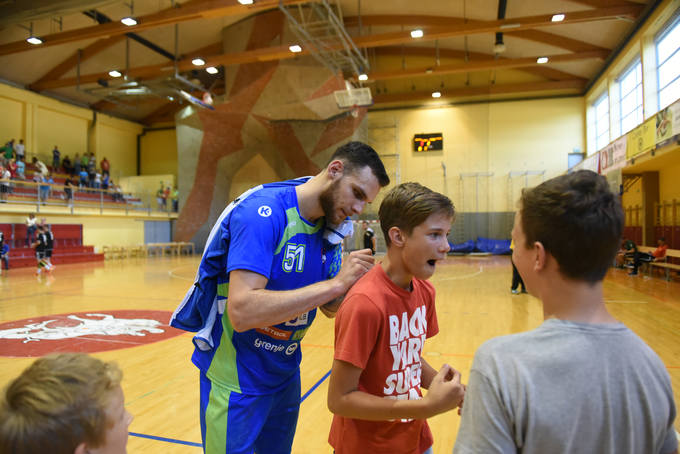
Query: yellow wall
[
  {"x": 147, "y": 185},
  {"x": 97, "y": 231},
  {"x": 159, "y": 152},
  {"x": 669, "y": 184},
  {"x": 497, "y": 138},
  {"x": 44, "y": 122}
]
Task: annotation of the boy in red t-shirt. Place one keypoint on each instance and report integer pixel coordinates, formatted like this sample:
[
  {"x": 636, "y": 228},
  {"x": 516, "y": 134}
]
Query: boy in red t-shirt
[{"x": 381, "y": 327}]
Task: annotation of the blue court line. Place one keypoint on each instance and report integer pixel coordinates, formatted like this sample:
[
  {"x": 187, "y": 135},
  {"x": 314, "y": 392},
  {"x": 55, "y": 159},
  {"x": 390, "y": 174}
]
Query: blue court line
[
  {"x": 199, "y": 445},
  {"x": 169, "y": 440},
  {"x": 315, "y": 386}
]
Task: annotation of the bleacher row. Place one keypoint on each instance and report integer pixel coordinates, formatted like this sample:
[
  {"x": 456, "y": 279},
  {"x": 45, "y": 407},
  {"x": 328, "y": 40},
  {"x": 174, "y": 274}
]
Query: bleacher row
[
  {"x": 68, "y": 245},
  {"x": 23, "y": 192}
]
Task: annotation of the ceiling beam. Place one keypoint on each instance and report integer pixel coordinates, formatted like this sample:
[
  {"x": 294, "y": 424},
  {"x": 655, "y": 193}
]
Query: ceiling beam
[
  {"x": 87, "y": 53},
  {"x": 481, "y": 91},
  {"x": 443, "y": 21},
  {"x": 181, "y": 13},
  {"x": 601, "y": 3},
  {"x": 503, "y": 25},
  {"x": 542, "y": 70},
  {"x": 489, "y": 65},
  {"x": 164, "y": 113},
  {"x": 383, "y": 39}
]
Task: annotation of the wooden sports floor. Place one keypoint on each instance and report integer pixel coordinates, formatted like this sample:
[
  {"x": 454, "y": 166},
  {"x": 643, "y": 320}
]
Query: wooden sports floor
[{"x": 161, "y": 384}]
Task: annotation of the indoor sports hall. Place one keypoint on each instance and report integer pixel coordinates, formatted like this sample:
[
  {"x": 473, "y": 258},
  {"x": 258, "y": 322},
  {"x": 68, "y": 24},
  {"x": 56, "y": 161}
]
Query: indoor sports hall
[{"x": 127, "y": 128}]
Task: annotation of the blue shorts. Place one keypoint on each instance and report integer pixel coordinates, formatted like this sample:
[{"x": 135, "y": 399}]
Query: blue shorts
[{"x": 233, "y": 423}]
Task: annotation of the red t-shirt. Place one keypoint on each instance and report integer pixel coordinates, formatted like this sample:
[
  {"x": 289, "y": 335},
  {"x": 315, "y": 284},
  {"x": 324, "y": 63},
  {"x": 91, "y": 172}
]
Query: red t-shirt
[
  {"x": 660, "y": 251},
  {"x": 381, "y": 328}
]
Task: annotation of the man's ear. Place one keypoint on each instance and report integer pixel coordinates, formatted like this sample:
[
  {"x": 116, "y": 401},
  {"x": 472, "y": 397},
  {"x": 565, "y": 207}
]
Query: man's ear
[
  {"x": 396, "y": 236},
  {"x": 335, "y": 169},
  {"x": 81, "y": 449},
  {"x": 540, "y": 256}
]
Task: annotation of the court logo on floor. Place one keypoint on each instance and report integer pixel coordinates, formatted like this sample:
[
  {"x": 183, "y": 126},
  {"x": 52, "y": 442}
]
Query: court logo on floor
[{"x": 86, "y": 332}]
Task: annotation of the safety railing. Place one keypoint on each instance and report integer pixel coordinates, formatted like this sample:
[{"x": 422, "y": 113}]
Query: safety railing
[{"x": 75, "y": 196}]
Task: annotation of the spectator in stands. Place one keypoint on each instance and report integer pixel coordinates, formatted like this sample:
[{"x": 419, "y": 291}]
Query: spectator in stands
[
  {"x": 40, "y": 166},
  {"x": 45, "y": 188},
  {"x": 91, "y": 170},
  {"x": 20, "y": 150},
  {"x": 4, "y": 255},
  {"x": 68, "y": 191},
  {"x": 7, "y": 151},
  {"x": 21, "y": 168},
  {"x": 5, "y": 177},
  {"x": 105, "y": 182},
  {"x": 65, "y": 403},
  {"x": 12, "y": 143},
  {"x": 105, "y": 166},
  {"x": 166, "y": 197},
  {"x": 83, "y": 178},
  {"x": 159, "y": 197},
  {"x": 56, "y": 155},
  {"x": 67, "y": 165},
  {"x": 76, "y": 165},
  {"x": 659, "y": 255},
  {"x": 31, "y": 227},
  {"x": 84, "y": 161},
  {"x": 175, "y": 200},
  {"x": 98, "y": 179}
]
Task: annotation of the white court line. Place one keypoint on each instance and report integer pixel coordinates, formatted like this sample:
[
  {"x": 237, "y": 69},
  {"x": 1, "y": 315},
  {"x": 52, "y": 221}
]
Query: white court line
[
  {"x": 458, "y": 277},
  {"x": 171, "y": 273},
  {"x": 629, "y": 302}
]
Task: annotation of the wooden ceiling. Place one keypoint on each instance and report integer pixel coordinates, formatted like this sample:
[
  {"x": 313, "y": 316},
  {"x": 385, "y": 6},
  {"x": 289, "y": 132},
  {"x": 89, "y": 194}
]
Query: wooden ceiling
[{"x": 404, "y": 71}]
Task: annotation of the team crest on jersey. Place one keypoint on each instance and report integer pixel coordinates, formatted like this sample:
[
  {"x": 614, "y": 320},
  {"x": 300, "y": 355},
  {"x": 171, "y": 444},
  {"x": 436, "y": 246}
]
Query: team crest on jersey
[
  {"x": 264, "y": 211},
  {"x": 299, "y": 320}
]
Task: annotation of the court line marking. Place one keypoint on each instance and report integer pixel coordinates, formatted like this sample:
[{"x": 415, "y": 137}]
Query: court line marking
[
  {"x": 167, "y": 440},
  {"x": 199, "y": 445},
  {"x": 171, "y": 273},
  {"x": 458, "y": 277}
]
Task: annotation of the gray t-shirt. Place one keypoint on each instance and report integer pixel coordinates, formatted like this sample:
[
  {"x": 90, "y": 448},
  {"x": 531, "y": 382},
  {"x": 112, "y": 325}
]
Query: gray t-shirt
[{"x": 568, "y": 387}]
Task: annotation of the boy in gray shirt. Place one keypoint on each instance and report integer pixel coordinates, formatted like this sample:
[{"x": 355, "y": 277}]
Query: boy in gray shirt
[{"x": 581, "y": 382}]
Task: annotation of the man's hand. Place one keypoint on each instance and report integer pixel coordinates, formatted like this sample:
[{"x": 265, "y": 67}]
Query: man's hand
[
  {"x": 331, "y": 308},
  {"x": 445, "y": 394},
  {"x": 354, "y": 266}
]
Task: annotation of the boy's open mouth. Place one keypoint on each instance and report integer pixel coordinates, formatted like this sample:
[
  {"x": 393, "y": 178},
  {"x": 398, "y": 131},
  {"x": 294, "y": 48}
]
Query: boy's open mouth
[{"x": 431, "y": 262}]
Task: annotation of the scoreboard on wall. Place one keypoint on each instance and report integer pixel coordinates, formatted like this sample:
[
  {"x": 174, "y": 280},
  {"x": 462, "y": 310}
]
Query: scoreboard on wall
[{"x": 428, "y": 142}]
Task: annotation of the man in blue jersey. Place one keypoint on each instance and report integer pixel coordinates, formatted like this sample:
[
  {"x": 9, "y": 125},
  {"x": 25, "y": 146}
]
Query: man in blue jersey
[{"x": 276, "y": 266}]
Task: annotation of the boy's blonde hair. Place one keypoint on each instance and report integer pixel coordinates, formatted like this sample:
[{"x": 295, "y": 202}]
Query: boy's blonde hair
[
  {"x": 408, "y": 205},
  {"x": 56, "y": 404}
]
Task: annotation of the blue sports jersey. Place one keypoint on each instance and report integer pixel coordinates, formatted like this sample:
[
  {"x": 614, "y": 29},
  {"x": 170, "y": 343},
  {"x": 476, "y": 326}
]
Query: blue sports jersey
[{"x": 266, "y": 235}]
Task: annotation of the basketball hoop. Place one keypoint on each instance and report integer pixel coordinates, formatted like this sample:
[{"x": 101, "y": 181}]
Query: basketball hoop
[{"x": 353, "y": 98}]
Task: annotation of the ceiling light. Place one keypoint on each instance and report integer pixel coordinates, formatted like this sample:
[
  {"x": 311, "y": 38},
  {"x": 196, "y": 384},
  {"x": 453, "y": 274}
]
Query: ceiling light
[
  {"x": 436, "y": 94},
  {"x": 295, "y": 48},
  {"x": 363, "y": 77},
  {"x": 245, "y": 2},
  {"x": 558, "y": 17},
  {"x": 114, "y": 73},
  {"x": 417, "y": 34},
  {"x": 34, "y": 40},
  {"x": 513, "y": 25},
  {"x": 198, "y": 62},
  {"x": 129, "y": 21},
  {"x": 212, "y": 70},
  {"x": 542, "y": 60},
  {"x": 171, "y": 98}
]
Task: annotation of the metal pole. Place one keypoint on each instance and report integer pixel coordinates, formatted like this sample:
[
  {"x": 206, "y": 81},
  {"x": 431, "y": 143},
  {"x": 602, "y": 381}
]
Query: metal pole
[
  {"x": 101, "y": 202},
  {"x": 127, "y": 58}
]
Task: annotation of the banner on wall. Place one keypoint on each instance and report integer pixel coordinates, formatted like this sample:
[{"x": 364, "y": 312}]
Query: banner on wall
[
  {"x": 592, "y": 162},
  {"x": 613, "y": 156},
  {"x": 642, "y": 138},
  {"x": 668, "y": 124}
]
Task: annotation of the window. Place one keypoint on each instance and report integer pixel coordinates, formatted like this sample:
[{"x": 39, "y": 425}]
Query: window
[
  {"x": 631, "y": 98},
  {"x": 668, "y": 70},
  {"x": 602, "y": 122}
]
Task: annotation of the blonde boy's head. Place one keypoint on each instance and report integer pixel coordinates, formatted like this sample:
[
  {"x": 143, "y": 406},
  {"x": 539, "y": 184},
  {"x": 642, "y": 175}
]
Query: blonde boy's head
[
  {"x": 56, "y": 404},
  {"x": 408, "y": 205}
]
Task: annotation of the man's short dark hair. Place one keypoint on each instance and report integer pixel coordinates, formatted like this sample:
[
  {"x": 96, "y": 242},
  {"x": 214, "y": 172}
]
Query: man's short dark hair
[
  {"x": 662, "y": 239},
  {"x": 408, "y": 205},
  {"x": 579, "y": 221},
  {"x": 356, "y": 156}
]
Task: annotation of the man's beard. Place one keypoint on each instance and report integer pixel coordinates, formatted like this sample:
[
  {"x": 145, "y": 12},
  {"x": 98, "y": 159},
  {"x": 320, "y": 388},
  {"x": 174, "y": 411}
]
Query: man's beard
[{"x": 328, "y": 199}]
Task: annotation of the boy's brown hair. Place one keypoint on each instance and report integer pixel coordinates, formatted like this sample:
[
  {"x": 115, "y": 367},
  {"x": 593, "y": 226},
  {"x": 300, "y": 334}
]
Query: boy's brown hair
[
  {"x": 578, "y": 219},
  {"x": 56, "y": 404},
  {"x": 408, "y": 205}
]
